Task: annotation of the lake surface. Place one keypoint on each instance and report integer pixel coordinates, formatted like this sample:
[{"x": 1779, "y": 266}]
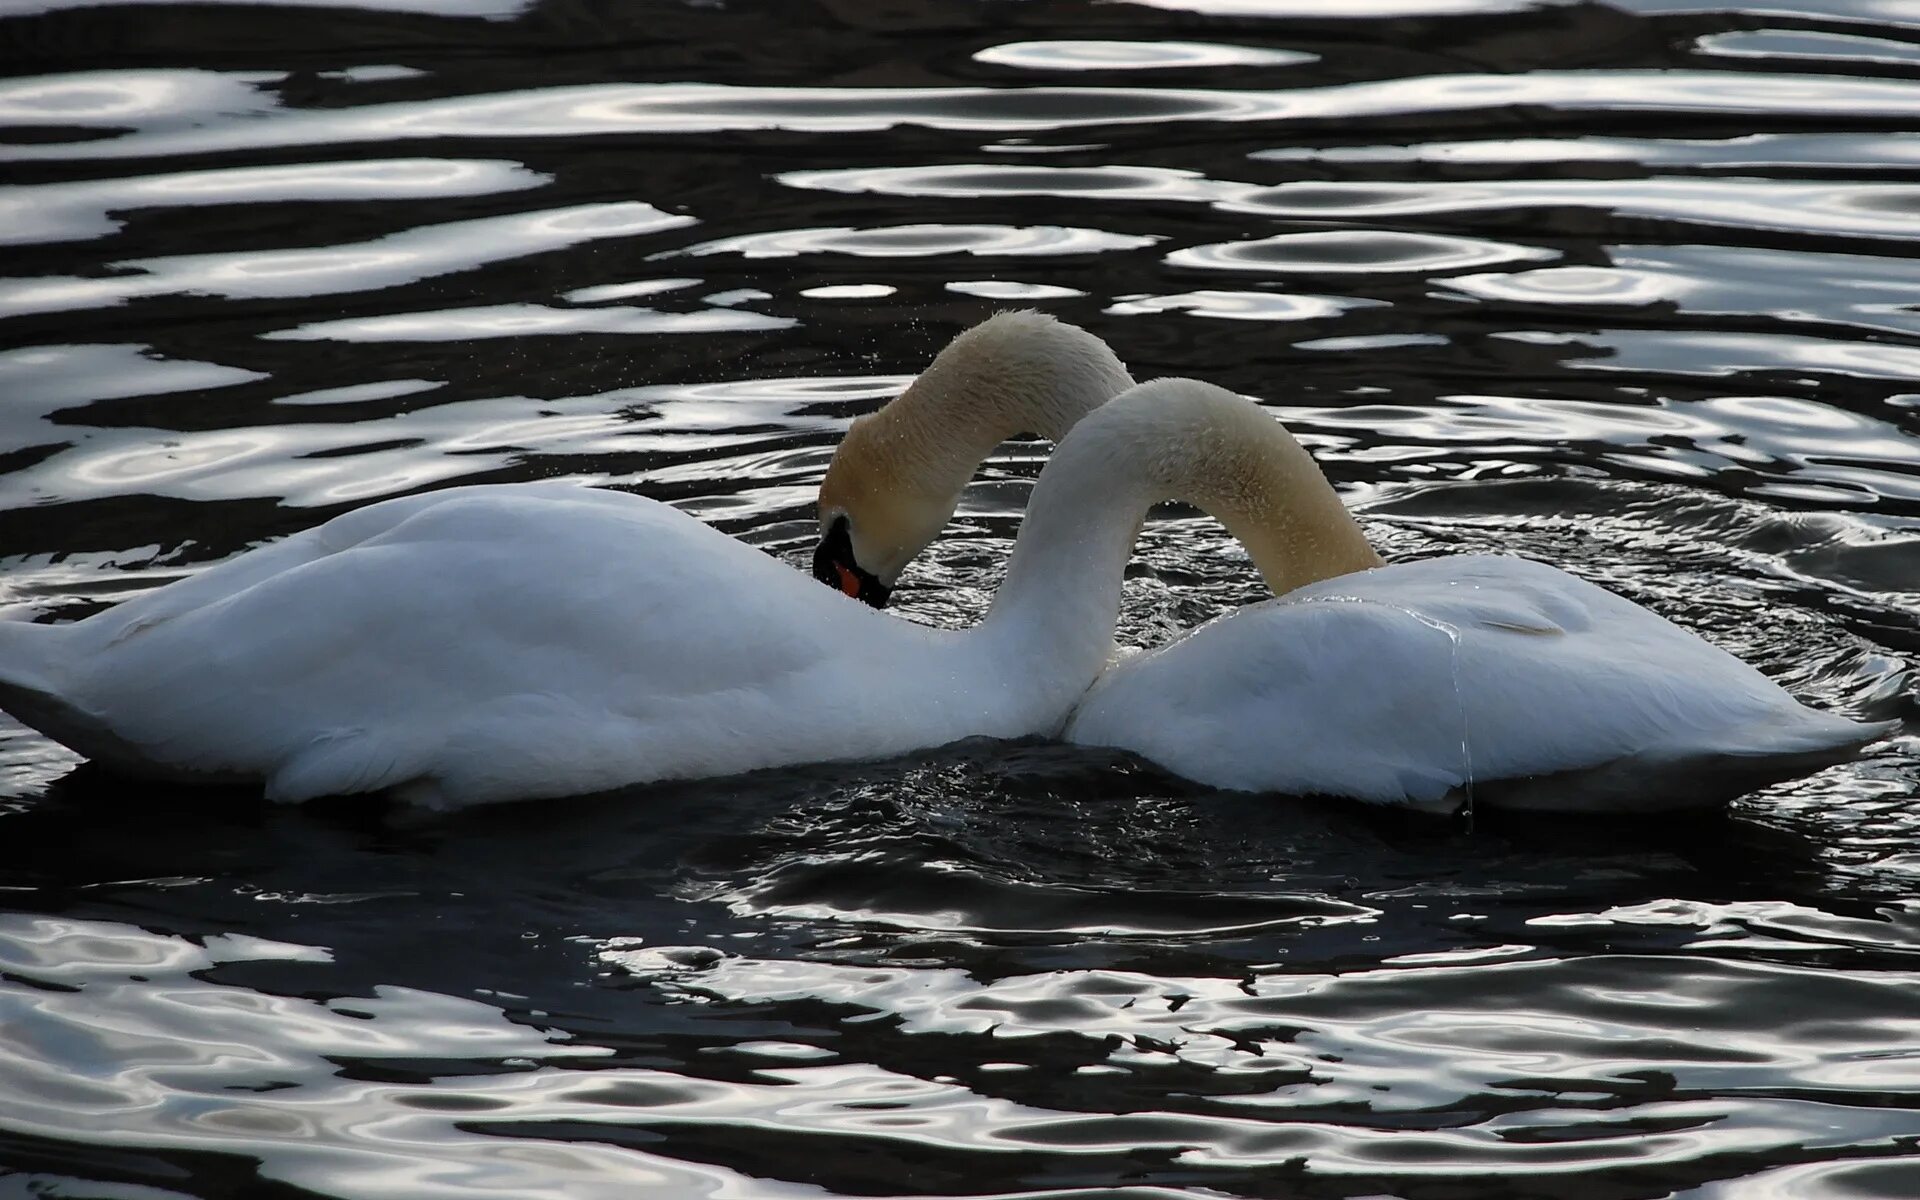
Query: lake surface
[{"x": 1630, "y": 288}]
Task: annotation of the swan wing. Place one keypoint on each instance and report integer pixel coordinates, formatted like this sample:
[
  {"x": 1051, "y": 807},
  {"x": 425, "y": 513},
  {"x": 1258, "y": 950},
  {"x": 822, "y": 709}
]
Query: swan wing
[
  {"x": 1407, "y": 682},
  {"x": 349, "y": 529},
  {"x": 477, "y": 644}
]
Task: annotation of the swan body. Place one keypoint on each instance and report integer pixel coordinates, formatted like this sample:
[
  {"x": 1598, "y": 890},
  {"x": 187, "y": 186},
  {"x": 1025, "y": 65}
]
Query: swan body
[
  {"x": 525, "y": 640},
  {"x": 472, "y": 644},
  {"x": 1421, "y": 682},
  {"x": 1407, "y": 684}
]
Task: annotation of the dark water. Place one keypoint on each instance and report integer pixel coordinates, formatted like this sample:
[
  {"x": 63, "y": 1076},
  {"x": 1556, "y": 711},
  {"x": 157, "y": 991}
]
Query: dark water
[{"x": 1631, "y": 288}]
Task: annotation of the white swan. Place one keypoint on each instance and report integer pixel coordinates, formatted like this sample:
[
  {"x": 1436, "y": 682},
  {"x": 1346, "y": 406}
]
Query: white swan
[
  {"x": 1413, "y": 683},
  {"x": 1405, "y": 684},
  {"x": 527, "y": 640}
]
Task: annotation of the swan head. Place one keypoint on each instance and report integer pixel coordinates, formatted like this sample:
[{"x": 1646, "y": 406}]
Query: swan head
[
  {"x": 878, "y": 509},
  {"x": 898, "y": 473}
]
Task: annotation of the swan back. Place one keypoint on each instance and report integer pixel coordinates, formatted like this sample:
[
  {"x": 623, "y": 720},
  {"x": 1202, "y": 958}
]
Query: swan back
[
  {"x": 1408, "y": 684},
  {"x": 897, "y": 475},
  {"x": 497, "y": 642}
]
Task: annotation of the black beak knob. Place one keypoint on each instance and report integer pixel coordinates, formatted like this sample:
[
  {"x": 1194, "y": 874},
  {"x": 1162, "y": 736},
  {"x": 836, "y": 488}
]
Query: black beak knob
[{"x": 834, "y": 565}]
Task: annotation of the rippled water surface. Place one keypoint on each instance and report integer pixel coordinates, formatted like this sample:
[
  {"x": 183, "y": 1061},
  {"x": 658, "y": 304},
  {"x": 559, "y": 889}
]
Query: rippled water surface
[{"x": 1628, "y": 287}]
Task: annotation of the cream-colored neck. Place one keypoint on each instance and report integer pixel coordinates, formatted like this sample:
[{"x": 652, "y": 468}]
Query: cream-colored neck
[
  {"x": 1272, "y": 496},
  {"x": 1016, "y": 372},
  {"x": 1024, "y": 372},
  {"x": 1171, "y": 439}
]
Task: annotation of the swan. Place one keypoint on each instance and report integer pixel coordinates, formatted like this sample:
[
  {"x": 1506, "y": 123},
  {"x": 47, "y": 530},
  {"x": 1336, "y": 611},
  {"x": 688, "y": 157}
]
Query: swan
[
  {"x": 1416, "y": 684},
  {"x": 531, "y": 640}
]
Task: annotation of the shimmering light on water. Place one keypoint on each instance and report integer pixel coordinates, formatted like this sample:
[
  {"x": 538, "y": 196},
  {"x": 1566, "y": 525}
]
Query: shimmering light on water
[{"x": 1629, "y": 288}]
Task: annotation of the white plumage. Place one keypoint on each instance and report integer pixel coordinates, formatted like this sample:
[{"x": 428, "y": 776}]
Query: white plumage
[
  {"x": 472, "y": 644},
  {"x": 527, "y": 640},
  {"x": 1407, "y": 683}
]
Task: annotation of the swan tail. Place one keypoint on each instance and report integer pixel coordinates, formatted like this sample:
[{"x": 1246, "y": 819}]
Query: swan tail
[
  {"x": 1817, "y": 733},
  {"x": 30, "y": 692},
  {"x": 29, "y": 657},
  {"x": 35, "y": 690},
  {"x": 32, "y": 667},
  {"x": 1699, "y": 777}
]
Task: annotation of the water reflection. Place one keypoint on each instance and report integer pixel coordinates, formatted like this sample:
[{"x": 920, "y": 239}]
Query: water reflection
[
  {"x": 135, "y": 99},
  {"x": 1851, "y": 209},
  {"x": 1011, "y": 289},
  {"x": 1788, "y": 43},
  {"x": 391, "y": 261},
  {"x": 920, "y": 241},
  {"x": 1621, "y": 287},
  {"x": 55, "y": 377},
  {"x": 126, "y": 99},
  {"x": 1356, "y": 251},
  {"x": 1852, "y": 151},
  {"x": 1240, "y": 306},
  {"x": 973, "y": 180},
  {"x": 1859, "y": 291},
  {"x": 1134, "y": 56},
  {"x": 70, "y": 212},
  {"x": 522, "y": 320}
]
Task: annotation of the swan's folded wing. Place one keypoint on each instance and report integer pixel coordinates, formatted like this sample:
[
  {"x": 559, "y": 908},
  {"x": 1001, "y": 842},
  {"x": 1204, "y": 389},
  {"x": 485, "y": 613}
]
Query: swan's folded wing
[
  {"x": 1339, "y": 698},
  {"x": 1696, "y": 771},
  {"x": 439, "y": 635},
  {"x": 1401, "y": 689},
  {"x": 342, "y": 533}
]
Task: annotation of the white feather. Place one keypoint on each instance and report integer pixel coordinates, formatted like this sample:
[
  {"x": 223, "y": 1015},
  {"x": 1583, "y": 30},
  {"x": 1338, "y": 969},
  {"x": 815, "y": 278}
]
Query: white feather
[{"x": 1406, "y": 683}]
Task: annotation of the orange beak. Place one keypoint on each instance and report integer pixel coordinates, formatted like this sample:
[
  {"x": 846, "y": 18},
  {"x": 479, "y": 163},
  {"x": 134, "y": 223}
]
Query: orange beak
[{"x": 849, "y": 582}]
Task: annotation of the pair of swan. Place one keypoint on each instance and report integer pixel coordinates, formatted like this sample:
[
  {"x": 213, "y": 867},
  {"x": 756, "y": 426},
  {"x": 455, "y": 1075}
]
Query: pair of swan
[{"x": 529, "y": 640}]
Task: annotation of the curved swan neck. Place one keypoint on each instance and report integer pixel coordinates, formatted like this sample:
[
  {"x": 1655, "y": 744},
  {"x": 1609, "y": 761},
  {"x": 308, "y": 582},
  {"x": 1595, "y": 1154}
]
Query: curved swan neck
[
  {"x": 1015, "y": 372},
  {"x": 1171, "y": 439},
  {"x": 899, "y": 473},
  {"x": 1271, "y": 495}
]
